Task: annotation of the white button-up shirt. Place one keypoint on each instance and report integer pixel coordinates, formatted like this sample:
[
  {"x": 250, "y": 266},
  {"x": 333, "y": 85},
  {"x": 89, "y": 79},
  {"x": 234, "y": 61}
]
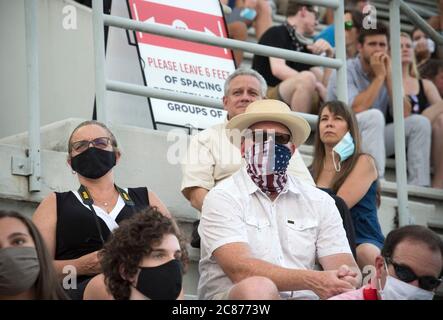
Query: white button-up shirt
[{"x": 301, "y": 225}]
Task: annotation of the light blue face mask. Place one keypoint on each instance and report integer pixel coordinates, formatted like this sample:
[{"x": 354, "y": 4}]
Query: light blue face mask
[
  {"x": 345, "y": 148},
  {"x": 248, "y": 13}
]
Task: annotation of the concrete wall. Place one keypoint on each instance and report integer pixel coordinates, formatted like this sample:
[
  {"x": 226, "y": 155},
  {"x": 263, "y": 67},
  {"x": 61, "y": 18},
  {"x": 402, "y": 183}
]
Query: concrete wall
[
  {"x": 65, "y": 61},
  {"x": 66, "y": 64}
]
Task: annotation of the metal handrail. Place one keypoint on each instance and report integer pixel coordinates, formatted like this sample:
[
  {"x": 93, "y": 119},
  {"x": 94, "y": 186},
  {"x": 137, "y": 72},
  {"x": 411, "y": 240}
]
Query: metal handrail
[
  {"x": 201, "y": 37},
  {"x": 399, "y": 123},
  {"x": 143, "y": 91},
  {"x": 101, "y": 19},
  {"x": 395, "y": 7},
  {"x": 420, "y": 22},
  {"x": 34, "y": 157}
]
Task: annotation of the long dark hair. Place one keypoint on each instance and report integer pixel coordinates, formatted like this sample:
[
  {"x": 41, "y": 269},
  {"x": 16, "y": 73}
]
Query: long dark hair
[
  {"x": 47, "y": 285},
  {"x": 338, "y": 108}
]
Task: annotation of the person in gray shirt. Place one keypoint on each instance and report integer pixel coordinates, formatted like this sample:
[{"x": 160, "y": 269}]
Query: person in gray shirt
[{"x": 370, "y": 96}]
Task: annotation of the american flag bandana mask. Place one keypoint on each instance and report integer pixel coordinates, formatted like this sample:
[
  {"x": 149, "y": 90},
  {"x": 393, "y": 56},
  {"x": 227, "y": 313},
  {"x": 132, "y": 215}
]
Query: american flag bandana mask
[{"x": 267, "y": 163}]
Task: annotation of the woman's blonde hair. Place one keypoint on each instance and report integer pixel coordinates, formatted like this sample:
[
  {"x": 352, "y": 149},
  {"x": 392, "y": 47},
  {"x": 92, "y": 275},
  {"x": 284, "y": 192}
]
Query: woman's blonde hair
[{"x": 413, "y": 70}]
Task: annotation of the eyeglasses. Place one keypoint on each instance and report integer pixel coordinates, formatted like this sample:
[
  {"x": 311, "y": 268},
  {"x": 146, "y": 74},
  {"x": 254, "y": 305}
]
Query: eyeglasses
[
  {"x": 405, "y": 274},
  {"x": 262, "y": 136},
  {"x": 349, "y": 25},
  {"x": 313, "y": 10},
  {"x": 100, "y": 143}
]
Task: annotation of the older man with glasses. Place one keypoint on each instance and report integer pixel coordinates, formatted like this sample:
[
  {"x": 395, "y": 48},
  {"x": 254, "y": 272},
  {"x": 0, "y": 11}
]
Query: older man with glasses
[{"x": 409, "y": 267}]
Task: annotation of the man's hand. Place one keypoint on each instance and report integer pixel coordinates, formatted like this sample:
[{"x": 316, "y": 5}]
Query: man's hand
[
  {"x": 321, "y": 46},
  {"x": 347, "y": 274},
  {"x": 378, "y": 63},
  {"x": 327, "y": 284}
]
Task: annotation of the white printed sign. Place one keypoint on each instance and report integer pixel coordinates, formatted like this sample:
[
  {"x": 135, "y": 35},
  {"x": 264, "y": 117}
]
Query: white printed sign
[{"x": 183, "y": 66}]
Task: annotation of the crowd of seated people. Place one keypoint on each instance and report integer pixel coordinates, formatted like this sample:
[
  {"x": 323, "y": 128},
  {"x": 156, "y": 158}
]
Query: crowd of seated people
[{"x": 270, "y": 228}]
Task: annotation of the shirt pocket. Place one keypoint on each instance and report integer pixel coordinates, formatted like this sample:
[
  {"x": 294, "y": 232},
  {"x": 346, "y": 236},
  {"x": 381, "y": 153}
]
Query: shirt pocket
[
  {"x": 302, "y": 239},
  {"x": 259, "y": 235}
]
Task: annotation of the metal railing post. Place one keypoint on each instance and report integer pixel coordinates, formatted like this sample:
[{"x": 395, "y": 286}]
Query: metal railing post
[
  {"x": 420, "y": 23},
  {"x": 99, "y": 58},
  {"x": 201, "y": 37},
  {"x": 33, "y": 83},
  {"x": 340, "y": 52},
  {"x": 397, "y": 99}
]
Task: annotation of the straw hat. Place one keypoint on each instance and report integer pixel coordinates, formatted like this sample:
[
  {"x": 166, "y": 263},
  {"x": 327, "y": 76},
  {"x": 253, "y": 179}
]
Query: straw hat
[{"x": 275, "y": 111}]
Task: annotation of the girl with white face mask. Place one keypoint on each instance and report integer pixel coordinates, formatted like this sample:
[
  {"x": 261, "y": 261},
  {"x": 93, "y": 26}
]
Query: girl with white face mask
[
  {"x": 26, "y": 270},
  {"x": 342, "y": 169}
]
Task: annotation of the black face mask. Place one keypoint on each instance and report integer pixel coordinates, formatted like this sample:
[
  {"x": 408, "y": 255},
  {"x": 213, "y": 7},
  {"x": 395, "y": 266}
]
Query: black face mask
[
  {"x": 163, "y": 282},
  {"x": 93, "y": 163}
]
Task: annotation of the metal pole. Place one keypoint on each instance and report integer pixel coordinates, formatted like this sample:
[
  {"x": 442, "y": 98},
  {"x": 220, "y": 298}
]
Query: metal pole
[
  {"x": 201, "y": 37},
  {"x": 334, "y": 4},
  {"x": 421, "y": 23},
  {"x": 99, "y": 57},
  {"x": 138, "y": 90},
  {"x": 397, "y": 99},
  {"x": 340, "y": 52},
  {"x": 31, "y": 25}
]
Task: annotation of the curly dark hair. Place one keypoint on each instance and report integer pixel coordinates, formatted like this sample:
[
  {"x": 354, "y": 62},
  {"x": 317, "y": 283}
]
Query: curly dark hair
[{"x": 128, "y": 244}]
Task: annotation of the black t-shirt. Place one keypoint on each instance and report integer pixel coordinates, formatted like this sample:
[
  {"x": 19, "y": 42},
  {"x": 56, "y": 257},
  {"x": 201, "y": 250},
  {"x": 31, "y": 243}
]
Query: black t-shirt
[{"x": 279, "y": 37}]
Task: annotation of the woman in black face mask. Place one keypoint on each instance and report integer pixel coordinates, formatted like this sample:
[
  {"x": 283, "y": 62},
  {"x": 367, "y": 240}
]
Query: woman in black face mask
[
  {"x": 26, "y": 271},
  {"x": 76, "y": 224},
  {"x": 144, "y": 259}
]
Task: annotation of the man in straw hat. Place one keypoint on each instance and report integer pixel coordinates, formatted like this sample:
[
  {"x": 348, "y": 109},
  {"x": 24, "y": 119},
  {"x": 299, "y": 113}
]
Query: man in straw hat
[
  {"x": 262, "y": 229},
  {"x": 212, "y": 158}
]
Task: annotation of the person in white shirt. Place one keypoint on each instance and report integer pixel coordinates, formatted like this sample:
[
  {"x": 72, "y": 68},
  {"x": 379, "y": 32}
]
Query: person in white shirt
[{"x": 263, "y": 231}]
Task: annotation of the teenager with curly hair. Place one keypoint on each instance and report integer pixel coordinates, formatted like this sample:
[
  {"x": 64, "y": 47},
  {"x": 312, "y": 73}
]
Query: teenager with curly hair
[{"x": 144, "y": 259}]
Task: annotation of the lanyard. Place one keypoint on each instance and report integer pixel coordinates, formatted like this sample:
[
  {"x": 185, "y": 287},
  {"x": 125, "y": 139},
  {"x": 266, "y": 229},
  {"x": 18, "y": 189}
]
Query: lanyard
[{"x": 87, "y": 200}]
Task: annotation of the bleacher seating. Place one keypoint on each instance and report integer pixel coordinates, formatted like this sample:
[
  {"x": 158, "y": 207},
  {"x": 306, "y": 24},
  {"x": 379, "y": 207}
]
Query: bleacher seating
[{"x": 151, "y": 169}]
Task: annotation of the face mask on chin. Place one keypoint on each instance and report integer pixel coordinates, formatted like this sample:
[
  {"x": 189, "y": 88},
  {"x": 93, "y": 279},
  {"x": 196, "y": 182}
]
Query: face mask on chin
[
  {"x": 93, "y": 163},
  {"x": 345, "y": 148},
  {"x": 396, "y": 289}
]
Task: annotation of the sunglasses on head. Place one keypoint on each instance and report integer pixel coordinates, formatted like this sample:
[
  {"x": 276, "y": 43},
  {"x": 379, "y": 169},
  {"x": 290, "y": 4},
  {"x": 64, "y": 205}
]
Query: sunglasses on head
[
  {"x": 405, "y": 274},
  {"x": 82, "y": 145},
  {"x": 349, "y": 25},
  {"x": 262, "y": 136}
]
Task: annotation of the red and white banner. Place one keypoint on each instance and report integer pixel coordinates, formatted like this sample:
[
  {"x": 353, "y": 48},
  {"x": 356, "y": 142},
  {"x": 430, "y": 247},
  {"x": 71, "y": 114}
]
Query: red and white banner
[{"x": 183, "y": 66}]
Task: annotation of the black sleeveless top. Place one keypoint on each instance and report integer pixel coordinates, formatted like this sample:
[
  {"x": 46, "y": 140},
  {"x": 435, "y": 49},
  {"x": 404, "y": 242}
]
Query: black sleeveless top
[
  {"x": 76, "y": 230},
  {"x": 419, "y": 102}
]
